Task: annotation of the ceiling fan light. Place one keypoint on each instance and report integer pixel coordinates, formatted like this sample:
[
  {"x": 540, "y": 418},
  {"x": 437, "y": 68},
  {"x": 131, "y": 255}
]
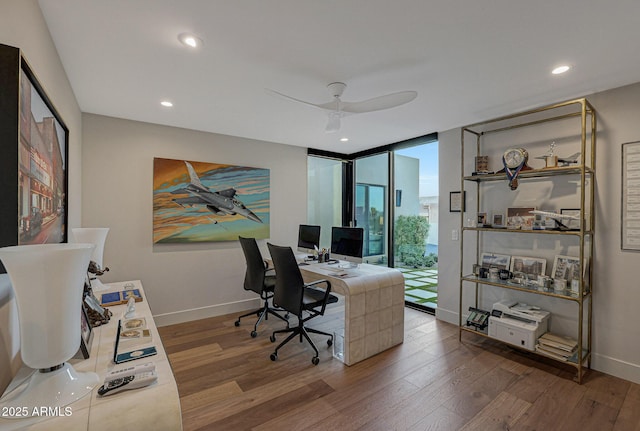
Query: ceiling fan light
[{"x": 333, "y": 125}]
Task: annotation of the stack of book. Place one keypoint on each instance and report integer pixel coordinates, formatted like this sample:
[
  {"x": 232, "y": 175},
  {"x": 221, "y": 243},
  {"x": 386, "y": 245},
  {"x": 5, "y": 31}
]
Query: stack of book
[{"x": 557, "y": 346}]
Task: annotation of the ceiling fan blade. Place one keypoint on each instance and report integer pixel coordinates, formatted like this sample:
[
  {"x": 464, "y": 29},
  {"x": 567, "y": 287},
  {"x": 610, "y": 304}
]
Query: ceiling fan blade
[
  {"x": 276, "y": 93},
  {"x": 378, "y": 103}
]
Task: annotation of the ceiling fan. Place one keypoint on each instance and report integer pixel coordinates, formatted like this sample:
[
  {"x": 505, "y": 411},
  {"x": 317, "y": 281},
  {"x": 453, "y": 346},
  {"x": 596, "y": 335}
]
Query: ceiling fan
[{"x": 339, "y": 109}]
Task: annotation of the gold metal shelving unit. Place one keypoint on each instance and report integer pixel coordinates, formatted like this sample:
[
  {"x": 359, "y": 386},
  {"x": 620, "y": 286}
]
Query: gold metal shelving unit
[{"x": 583, "y": 172}]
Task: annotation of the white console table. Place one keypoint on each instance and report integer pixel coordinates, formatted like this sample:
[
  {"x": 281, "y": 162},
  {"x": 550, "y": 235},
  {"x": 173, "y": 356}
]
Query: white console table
[{"x": 156, "y": 407}]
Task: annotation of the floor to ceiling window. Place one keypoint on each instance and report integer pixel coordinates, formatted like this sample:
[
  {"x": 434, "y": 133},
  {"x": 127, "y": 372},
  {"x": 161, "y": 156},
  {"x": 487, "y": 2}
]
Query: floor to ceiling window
[
  {"x": 392, "y": 193},
  {"x": 325, "y": 186}
]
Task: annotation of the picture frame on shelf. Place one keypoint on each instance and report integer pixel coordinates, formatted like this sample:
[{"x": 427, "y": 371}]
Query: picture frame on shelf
[
  {"x": 86, "y": 335},
  {"x": 493, "y": 260},
  {"x": 572, "y": 224},
  {"x": 520, "y": 218},
  {"x": 482, "y": 220},
  {"x": 568, "y": 268},
  {"x": 497, "y": 220},
  {"x": 457, "y": 201},
  {"x": 532, "y": 266}
]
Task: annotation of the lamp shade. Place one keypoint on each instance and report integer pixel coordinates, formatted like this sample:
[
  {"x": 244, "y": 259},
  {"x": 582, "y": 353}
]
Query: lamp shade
[
  {"x": 48, "y": 280},
  {"x": 92, "y": 235}
]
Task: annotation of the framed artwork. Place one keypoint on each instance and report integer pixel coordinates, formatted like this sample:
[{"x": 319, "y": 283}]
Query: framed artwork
[
  {"x": 481, "y": 219},
  {"x": 572, "y": 224},
  {"x": 201, "y": 202},
  {"x": 34, "y": 147},
  {"x": 86, "y": 334},
  {"x": 520, "y": 218},
  {"x": 492, "y": 260},
  {"x": 497, "y": 220},
  {"x": 457, "y": 201},
  {"x": 567, "y": 268},
  {"x": 531, "y": 266},
  {"x": 630, "y": 223}
]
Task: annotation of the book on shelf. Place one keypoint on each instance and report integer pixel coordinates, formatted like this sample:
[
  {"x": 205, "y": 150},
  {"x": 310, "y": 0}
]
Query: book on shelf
[
  {"x": 540, "y": 349},
  {"x": 121, "y": 297},
  {"x": 561, "y": 342}
]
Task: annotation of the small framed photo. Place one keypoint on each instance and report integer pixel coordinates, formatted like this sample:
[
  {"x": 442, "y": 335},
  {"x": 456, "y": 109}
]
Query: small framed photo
[
  {"x": 571, "y": 224},
  {"x": 531, "y": 266},
  {"x": 482, "y": 220},
  {"x": 492, "y": 260},
  {"x": 86, "y": 335},
  {"x": 457, "y": 201},
  {"x": 568, "y": 268},
  {"x": 497, "y": 220},
  {"x": 520, "y": 218}
]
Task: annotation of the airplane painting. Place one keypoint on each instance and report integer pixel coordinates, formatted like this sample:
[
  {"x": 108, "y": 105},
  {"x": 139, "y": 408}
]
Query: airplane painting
[{"x": 199, "y": 202}]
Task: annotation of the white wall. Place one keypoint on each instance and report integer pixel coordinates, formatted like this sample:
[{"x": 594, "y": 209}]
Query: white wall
[
  {"x": 616, "y": 296},
  {"x": 22, "y": 26},
  {"x": 182, "y": 281}
]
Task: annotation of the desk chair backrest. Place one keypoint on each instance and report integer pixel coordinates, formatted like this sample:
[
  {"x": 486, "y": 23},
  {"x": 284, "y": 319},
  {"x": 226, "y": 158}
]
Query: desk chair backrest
[
  {"x": 254, "y": 277},
  {"x": 289, "y": 288}
]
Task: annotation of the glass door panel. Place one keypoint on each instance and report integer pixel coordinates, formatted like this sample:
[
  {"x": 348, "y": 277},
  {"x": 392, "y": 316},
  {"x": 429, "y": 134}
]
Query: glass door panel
[{"x": 416, "y": 222}]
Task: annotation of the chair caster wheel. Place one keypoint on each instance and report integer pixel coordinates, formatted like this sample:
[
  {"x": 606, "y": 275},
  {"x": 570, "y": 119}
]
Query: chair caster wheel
[
  {"x": 254, "y": 334},
  {"x": 272, "y": 338},
  {"x": 315, "y": 360},
  {"x": 329, "y": 342},
  {"x": 273, "y": 356},
  {"x": 286, "y": 316},
  {"x": 237, "y": 323}
]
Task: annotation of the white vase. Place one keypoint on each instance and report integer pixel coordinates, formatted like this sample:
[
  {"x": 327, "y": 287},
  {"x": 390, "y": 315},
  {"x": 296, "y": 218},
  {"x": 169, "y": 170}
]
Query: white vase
[
  {"x": 96, "y": 236},
  {"x": 48, "y": 281}
]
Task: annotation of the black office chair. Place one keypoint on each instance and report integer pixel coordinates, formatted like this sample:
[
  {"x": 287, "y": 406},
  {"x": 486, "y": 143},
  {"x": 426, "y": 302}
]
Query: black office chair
[
  {"x": 296, "y": 297},
  {"x": 260, "y": 279}
]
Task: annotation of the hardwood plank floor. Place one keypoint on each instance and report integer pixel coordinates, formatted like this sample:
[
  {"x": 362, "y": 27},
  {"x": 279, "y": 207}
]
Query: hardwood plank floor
[{"x": 432, "y": 381}]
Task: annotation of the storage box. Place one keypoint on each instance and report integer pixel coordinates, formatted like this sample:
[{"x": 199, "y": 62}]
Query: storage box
[{"x": 523, "y": 334}]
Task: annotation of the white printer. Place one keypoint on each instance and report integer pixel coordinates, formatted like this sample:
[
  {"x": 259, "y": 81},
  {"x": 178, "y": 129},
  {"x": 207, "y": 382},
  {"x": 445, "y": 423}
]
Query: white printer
[{"x": 517, "y": 323}]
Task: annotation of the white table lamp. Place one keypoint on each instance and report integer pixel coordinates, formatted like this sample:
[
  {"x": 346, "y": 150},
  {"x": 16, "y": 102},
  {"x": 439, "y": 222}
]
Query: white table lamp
[
  {"x": 97, "y": 236},
  {"x": 48, "y": 281}
]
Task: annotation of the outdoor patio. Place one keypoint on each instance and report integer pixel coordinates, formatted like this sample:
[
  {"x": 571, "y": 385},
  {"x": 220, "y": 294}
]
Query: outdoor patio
[{"x": 421, "y": 286}]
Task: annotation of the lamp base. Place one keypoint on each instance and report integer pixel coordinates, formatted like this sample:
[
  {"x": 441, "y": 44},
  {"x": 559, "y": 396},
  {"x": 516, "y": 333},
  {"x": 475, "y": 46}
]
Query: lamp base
[{"x": 53, "y": 389}]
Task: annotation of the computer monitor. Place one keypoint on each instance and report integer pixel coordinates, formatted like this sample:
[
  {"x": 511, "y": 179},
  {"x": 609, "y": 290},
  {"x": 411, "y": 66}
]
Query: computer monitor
[
  {"x": 346, "y": 243},
  {"x": 308, "y": 238}
]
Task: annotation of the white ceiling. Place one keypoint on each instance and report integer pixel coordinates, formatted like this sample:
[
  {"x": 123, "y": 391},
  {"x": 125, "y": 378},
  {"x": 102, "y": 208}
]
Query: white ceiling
[{"x": 469, "y": 60}]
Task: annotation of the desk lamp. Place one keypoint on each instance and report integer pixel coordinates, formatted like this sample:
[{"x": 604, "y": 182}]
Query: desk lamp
[
  {"x": 96, "y": 236},
  {"x": 48, "y": 280}
]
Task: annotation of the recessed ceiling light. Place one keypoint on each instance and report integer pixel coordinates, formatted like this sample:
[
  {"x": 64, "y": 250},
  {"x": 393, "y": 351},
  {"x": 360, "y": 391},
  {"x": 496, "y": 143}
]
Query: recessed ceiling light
[
  {"x": 560, "y": 69},
  {"x": 344, "y": 139},
  {"x": 166, "y": 104},
  {"x": 190, "y": 40}
]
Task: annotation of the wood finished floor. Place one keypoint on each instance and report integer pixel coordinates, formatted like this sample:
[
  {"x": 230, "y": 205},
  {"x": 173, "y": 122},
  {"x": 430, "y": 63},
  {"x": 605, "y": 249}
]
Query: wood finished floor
[{"x": 432, "y": 381}]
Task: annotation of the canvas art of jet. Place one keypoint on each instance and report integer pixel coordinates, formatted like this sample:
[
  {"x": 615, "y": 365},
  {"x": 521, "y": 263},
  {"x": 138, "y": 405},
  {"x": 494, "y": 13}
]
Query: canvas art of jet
[{"x": 222, "y": 202}]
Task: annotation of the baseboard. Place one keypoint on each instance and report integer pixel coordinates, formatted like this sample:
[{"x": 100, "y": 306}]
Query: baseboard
[
  {"x": 447, "y": 316},
  {"x": 604, "y": 364},
  {"x": 205, "y": 312},
  {"x": 616, "y": 367}
]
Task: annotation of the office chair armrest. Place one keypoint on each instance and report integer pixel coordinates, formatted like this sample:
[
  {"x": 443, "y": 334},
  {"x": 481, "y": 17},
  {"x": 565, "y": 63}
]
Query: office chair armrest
[
  {"x": 327, "y": 292},
  {"x": 266, "y": 265}
]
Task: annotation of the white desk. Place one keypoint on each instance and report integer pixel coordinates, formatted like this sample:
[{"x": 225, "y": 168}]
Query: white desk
[
  {"x": 374, "y": 306},
  {"x": 156, "y": 407}
]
